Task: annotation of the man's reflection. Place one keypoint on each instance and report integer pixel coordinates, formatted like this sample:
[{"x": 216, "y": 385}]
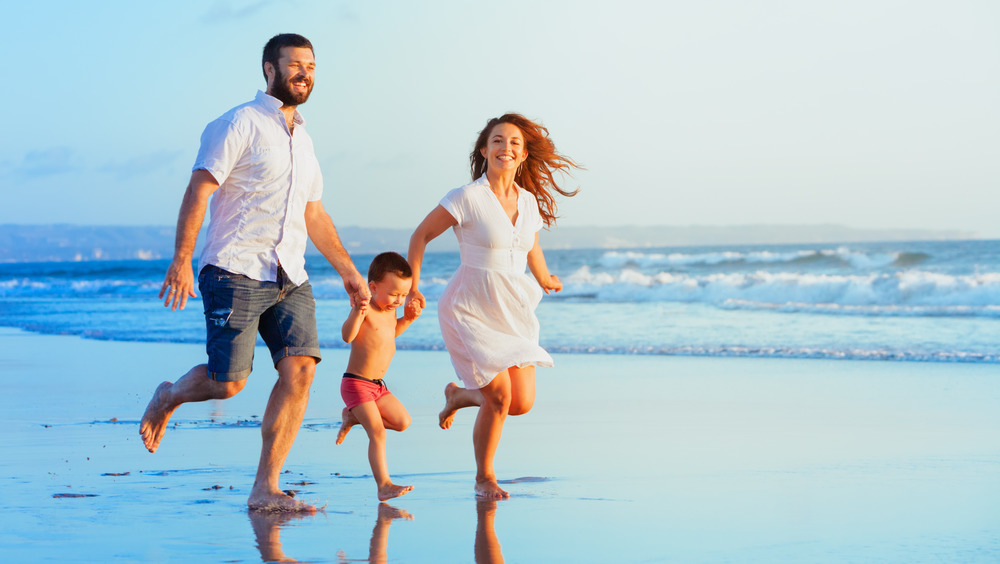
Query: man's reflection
[
  {"x": 487, "y": 545},
  {"x": 267, "y": 528},
  {"x": 378, "y": 549}
]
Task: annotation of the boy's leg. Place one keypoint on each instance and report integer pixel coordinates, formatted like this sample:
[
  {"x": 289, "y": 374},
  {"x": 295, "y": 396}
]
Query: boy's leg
[
  {"x": 368, "y": 415},
  {"x": 282, "y": 418},
  {"x": 394, "y": 415}
]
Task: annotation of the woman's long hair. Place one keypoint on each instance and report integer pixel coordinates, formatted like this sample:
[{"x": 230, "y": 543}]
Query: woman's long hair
[{"x": 536, "y": 172}]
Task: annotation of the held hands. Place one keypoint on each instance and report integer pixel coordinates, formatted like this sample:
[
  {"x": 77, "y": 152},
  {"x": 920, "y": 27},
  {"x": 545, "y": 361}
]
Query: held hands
[
  {"x": 416, "y": 296},
  {"x": 178, "y": 285},
  {"x": 357, "y": 288},
  {"x": 360, "y": 304},
  {"x": 553, "y": 284},
  {"x": 412, "y": 310}
]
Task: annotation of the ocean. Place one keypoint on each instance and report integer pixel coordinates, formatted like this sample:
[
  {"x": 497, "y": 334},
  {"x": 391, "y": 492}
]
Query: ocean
[{"x": 899, "y": 301}]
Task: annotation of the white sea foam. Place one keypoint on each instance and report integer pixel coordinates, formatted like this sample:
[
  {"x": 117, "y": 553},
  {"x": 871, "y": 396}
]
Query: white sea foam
[{"x": 909, "y": 289}]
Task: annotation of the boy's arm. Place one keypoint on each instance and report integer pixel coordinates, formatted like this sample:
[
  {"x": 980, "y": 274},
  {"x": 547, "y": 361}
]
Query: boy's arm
[
  {"x": 354, "y": 320},
  {"x": 410, "y": 314}
]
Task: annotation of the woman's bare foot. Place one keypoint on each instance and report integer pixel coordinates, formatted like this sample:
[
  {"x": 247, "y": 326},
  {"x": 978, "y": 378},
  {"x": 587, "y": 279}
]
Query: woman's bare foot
[
  {"x": 388, "y": 513},
  {"x": 489, "y": 489},
  {"x": 278, "y": 502},
  {"x": 390, "y": 491},
  {"x": 155, "y": 419},
  {"x": 447, "y": 415},
  {"x": 347, "y": 420}
]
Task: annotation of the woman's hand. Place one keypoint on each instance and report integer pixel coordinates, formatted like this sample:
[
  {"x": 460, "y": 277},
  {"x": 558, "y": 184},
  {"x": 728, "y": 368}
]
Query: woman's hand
[
  {"x": 416, "y": 296},
  {"x": 412, "y": 310},
  {"x": 552, "y": 285}
]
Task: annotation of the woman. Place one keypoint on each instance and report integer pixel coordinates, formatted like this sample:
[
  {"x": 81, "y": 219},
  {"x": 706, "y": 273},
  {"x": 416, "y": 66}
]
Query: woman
[{"x": 487, "y": 312}]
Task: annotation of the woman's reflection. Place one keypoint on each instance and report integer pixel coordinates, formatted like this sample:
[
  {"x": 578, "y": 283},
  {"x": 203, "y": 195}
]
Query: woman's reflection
[{"x": 487, "y": 545}]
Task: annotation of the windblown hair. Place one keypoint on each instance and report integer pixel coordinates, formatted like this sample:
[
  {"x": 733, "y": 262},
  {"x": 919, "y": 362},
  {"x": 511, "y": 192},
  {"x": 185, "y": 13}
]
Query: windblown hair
[
  {"x": 386, "y": 263},
  {"x": 272, "y": 50},
  {"x": 536, "y": 173}
]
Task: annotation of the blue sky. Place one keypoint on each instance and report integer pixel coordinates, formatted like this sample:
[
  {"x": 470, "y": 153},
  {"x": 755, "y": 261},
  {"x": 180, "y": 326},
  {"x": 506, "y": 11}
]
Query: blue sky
[{"x": 869, "y": 114}]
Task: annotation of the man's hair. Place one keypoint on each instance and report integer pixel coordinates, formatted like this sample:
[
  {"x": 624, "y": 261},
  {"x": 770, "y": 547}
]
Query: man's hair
[
  {"x": 389, "y": 262},
  {"x": 272, "y": 50}
]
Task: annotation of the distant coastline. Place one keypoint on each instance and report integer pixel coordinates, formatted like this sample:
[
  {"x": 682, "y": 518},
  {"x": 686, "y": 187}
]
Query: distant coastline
[{"x": 63, "y": 242}]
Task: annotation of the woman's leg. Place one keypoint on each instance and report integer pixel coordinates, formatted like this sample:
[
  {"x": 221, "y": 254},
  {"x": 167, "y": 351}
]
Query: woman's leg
[
  {"x": 486, "y": 434},
  {"x": 522, "y": 389}
]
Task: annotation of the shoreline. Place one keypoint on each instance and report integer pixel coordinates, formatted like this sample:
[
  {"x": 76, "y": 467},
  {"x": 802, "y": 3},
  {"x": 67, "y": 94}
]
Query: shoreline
[{"x": 649, "y": 458}]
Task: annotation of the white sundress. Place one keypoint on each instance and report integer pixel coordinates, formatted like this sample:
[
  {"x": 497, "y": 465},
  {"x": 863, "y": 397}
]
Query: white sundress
[{"x": 487, "y": 312}]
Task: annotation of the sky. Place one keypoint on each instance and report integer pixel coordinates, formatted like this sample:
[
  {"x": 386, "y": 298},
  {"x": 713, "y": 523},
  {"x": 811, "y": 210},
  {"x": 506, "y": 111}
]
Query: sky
[{"x": 872, "y": 114}]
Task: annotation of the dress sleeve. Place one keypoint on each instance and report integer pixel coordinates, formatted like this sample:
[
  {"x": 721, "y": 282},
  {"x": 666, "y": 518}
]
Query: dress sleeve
[
  {"x": 456, "y": 203},
  {"x": 222, "y": 145}
]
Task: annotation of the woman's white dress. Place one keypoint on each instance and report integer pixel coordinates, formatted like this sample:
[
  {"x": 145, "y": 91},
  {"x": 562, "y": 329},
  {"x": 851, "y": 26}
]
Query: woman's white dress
[{"x": 487, "y": 312}]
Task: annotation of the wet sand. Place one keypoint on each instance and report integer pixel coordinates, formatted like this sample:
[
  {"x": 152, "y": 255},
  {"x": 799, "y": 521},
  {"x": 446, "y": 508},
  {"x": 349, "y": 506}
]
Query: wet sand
[{"x": 623, "y": 459}]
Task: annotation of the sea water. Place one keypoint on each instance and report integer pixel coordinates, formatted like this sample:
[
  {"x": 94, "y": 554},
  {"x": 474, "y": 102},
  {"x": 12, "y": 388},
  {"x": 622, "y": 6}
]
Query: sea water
[{"x": 899, "y": 301}]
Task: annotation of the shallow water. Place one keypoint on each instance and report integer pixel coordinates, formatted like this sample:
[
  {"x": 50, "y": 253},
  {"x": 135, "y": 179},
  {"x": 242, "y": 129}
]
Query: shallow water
[{"x": 623, "y": 459}]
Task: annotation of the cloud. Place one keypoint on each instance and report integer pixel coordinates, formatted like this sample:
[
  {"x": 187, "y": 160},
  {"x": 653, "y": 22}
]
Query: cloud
[
  {"x": 141, "y": 165},
  {"x": 223, "y": 11},
  {"x": 45, "y": 162}
]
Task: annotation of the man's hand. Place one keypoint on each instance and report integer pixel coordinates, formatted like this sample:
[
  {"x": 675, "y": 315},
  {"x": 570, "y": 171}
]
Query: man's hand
[
  {"x": 357, "y": 288},
  {"x": 178, "y": 285}
]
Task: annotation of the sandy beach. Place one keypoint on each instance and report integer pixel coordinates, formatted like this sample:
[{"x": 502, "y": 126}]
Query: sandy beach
[{"x": 624, "y": 459}]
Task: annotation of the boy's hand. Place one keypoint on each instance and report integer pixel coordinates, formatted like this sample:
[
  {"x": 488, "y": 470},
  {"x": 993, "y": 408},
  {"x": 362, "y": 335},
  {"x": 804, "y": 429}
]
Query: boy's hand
[
  {"x": 360, "y": 303},
  {"x": 412, "y": 310}
]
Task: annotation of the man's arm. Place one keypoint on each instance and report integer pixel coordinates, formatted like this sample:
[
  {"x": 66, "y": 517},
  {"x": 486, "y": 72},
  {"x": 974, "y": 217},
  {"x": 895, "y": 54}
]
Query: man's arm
[
  {"x": 180, "y": 276},
  {"x": 324, "y": 235}
]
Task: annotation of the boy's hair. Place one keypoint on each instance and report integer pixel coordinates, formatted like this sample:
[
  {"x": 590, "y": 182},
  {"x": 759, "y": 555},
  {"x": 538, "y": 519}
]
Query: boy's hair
[
  {"x": 272, "y": 50},
  {"x": 388, "y": 262}
]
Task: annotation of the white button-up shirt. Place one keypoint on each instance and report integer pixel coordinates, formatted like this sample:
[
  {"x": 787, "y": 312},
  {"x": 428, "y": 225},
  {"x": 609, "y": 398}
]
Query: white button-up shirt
[{"x": 266, "y": 176}]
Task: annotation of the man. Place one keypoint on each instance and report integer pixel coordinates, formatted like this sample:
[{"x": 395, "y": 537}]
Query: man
[{"x": 258, "y": 161}]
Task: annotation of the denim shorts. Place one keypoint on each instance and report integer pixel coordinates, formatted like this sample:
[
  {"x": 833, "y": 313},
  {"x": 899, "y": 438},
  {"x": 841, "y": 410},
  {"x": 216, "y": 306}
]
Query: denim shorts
[{"x": 238, "y": 307}]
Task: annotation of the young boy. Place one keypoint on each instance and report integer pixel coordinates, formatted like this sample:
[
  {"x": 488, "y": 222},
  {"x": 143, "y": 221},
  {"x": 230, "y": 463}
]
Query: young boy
[{"x": 372, "y": 328}]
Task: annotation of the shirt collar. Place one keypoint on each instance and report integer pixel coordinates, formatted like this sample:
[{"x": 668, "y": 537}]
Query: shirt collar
[{"x": 274, "y": 104}]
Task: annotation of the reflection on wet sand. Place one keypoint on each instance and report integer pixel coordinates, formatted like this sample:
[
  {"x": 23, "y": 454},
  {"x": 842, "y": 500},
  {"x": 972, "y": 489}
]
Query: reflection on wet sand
[
  {"x": 487, "y": 545},
  {"x": 378, "y": 549},
  {"x": 267, "y": 529}
]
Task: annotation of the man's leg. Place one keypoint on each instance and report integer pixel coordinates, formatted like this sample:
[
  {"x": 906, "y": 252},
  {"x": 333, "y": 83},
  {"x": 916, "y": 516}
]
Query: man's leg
[
  {"x": 193, "y": 386},
  {"x": 285, "y": 409}
]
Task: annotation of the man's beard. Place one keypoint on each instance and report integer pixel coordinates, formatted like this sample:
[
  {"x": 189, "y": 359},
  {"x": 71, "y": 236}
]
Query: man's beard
[{"x": 281, "y": 89}]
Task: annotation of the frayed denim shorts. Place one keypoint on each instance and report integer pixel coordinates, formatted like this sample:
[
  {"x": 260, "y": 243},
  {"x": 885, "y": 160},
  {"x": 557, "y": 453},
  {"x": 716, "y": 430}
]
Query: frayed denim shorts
[{"x": 238, "y": 307}]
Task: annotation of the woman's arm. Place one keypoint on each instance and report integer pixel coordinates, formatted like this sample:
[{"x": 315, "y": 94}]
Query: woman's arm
[
  {"x": 537, "y": 266},
  {"x": 433, "y": 225}
]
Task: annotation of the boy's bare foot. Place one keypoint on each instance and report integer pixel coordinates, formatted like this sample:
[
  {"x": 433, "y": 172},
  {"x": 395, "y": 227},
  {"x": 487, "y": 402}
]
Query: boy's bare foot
[
  {"x": 278, "y": 502},
  {"x": 392, "y": 490},
  {"x": 489, "y": 489},
  {"x": 347, "y": 420},
  {"x": 388, "y": 512},
  {"x": 155, "y": 419},
  {"x": 447, "y": 415}
]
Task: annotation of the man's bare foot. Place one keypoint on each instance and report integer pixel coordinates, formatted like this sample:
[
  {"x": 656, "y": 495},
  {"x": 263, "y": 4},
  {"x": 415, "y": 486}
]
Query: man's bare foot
[
  {"x": 387, "y": 512},
  {"x": 278, "y": 502},
  {"x": 155, "y": 419},
  {"x": 489, "y": 489},
  {"x": 390, "y": 491},
  {"x": 347, "y": 420},
  {"x": 447, "y": 415}
]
